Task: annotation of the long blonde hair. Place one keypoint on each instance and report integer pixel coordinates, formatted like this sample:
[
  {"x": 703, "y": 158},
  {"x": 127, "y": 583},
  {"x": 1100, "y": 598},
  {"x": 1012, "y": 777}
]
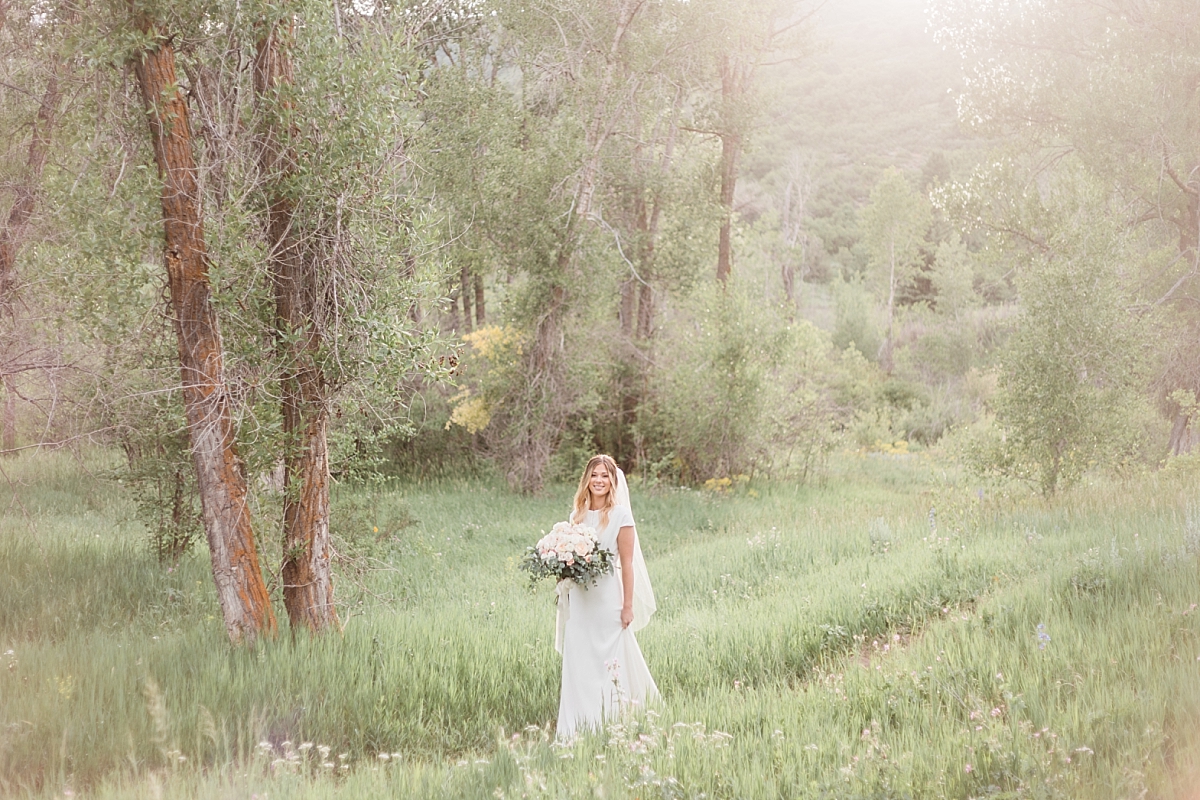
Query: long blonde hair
[{"x": 583, "y": 495}]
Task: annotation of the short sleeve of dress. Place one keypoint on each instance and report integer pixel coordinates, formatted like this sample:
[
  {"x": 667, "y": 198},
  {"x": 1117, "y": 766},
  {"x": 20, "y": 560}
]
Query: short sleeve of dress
[{"x": 620, "y": 517}]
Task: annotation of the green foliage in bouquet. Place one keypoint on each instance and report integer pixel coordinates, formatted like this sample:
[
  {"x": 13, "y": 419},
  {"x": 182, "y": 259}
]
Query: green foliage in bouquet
[{"x": 568, "y": 552}]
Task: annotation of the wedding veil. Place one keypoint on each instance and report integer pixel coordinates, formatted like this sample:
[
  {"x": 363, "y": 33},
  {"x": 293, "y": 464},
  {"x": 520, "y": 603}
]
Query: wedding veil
[{"x": 643, "y": 594}]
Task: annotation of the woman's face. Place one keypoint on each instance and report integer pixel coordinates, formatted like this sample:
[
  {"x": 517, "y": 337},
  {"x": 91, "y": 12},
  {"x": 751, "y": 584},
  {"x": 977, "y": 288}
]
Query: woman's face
[{"x": 600, "y": 483}]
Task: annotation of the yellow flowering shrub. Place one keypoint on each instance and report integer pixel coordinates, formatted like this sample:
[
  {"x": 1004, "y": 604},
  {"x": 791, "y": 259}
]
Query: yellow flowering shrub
[
  {"x": 492, "y": 341},
  {"x": 726, "y": 485},
  {"x": 472, "y": 413},
  {"x": 494, "y": 353}
]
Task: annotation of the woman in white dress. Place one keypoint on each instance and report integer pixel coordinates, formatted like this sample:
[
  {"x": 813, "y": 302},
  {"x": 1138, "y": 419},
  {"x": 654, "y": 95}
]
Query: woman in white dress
[{"x": 603, "y": 668}]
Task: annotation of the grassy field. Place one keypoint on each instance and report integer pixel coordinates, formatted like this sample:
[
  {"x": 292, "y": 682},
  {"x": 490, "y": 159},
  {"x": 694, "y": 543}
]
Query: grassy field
[{"x": 894, "y": 632}]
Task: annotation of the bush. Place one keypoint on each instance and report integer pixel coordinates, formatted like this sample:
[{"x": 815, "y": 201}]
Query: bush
[
  {"x": 740, "y": 390},
  {"x": 856, "y": 325},
  {"x": 1068, "y": 393},
  {"x": 709, "y": 388}
]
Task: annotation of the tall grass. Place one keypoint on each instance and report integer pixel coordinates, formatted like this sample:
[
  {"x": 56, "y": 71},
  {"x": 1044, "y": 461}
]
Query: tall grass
[{"x": 832, "y": 641}]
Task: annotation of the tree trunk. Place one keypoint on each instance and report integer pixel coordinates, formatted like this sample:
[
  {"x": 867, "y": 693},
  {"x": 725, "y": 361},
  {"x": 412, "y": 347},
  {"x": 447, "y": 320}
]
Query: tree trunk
[
  {"x": 795, "y": 209},
  {"x": 600, "y": 127},
  {"x": 467, "y": 289},
  {"x": 645, "y": 317},
  {"x": 735, "y": 82},
  {"x": 455, "y": 288},
  {"x": 480, "y": 314},
  {"x": 13, "y": 234},
  {"x": 626, "y": 314},
  {"x": 731, "y": 150},
  {"x": 886, "y": 354},
  {"x": 307, "y": 551},
  {"x": 242, "y": 594},
  {"x": 8, "y": 417},
  {"x": 1180, "y": 442}
]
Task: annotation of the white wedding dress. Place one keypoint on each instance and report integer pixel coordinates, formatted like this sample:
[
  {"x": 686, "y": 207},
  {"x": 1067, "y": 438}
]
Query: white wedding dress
[{"x": 603, "y": 670}]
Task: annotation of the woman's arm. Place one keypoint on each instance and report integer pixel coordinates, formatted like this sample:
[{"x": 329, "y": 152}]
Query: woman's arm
[{"x": 625, "y": 553}]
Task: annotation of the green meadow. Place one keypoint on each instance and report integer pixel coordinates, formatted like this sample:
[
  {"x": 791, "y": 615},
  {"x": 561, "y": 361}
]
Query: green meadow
[{"x": 894, "y": 630}]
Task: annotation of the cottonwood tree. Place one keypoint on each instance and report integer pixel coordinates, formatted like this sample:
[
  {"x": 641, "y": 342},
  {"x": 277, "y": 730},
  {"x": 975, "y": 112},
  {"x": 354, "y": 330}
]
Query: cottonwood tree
[
  {"x": 40, "y": 47},
  {"x": 1072, "y": 389},
  {"x": 520, "y": 161},
  {"x": 220, "y": 479},
  {"x": 1110, "y": 86},
  {"x": 894, "y": 223},
  {"x": 743, "y": 37},
  {"x": 799, "y": 186},
  {"x": 295, "y": 279},
  {"x": 655, "y": 204},
  {"x": 339, "y": 238}
]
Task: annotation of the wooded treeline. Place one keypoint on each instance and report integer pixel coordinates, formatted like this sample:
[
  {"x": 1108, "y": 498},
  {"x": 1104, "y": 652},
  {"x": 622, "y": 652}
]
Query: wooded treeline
[{"x": 261, "y": 246}]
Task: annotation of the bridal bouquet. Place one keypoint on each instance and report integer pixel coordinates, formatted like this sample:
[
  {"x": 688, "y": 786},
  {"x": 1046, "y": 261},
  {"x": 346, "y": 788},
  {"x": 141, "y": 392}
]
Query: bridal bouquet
[{"x": 568, "y": 551}]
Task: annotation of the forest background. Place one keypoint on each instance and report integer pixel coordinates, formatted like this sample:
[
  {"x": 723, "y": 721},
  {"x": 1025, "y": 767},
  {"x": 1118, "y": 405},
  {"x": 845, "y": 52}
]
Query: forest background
[{"x": 717, "y": 240}]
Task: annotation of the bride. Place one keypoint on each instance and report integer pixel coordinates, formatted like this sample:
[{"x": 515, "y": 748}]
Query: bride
[{"x": 603, "y": 669}]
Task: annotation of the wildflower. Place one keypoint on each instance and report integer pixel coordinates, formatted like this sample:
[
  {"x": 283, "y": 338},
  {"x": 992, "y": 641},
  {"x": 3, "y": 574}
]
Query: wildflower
[
  {"x": 996, "y": 712},
  {"x": 967, "y": 768},
  {"x": 1042, "y": 637}
]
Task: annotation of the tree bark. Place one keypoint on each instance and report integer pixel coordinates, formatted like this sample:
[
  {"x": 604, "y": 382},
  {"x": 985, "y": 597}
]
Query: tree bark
[
  {"x": 19, "y": 216},
  {"x": 795, "y": 202},
  {"x": 480, "y": 313},
  {"x": 1180, "y": 442},
  {"x": 600, "y": 127},
  {"x": 241, "y": 591},
  {"x": 465, "y": 293},
  {"x": 886, "y": 353},
  {"x": 307, "y": 550},
  {"x": 625, "y": 310},
  {"x": 14, "y": 232},
  {"x": 8, "y": 417},
  {"x": 731, "y": 150},
  {"x": 455, "y": 288}
]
